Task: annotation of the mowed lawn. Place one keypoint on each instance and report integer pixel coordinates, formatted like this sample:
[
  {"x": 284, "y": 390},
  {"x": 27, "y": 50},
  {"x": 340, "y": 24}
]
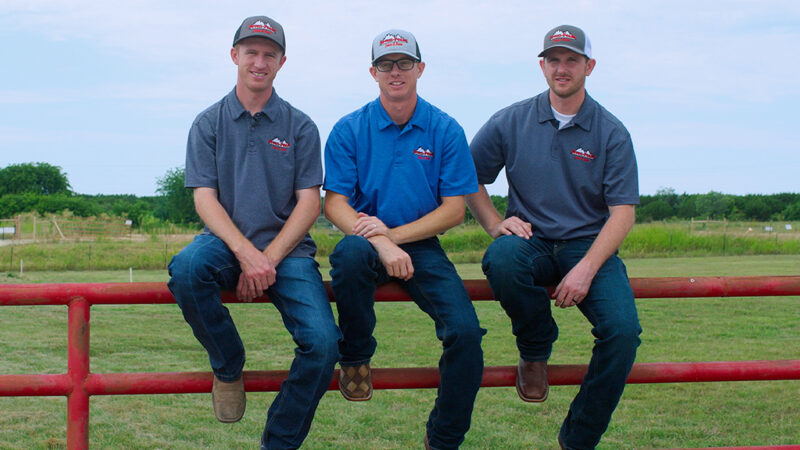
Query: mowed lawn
[{"x": 154, "y": 338}]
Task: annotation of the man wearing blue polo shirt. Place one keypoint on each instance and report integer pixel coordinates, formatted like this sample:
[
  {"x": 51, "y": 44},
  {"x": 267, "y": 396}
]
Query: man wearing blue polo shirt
[
  {"x": 397, "y": 171},
  {"x": 573, "y": 185},
  {"x": 254, "y": 163}
]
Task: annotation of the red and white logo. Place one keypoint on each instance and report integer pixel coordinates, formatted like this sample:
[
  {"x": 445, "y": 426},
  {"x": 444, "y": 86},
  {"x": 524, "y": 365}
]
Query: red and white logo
[
  {"x": 562, "y": 36},
  {"x": 424, "y": 154},
  {"x": 261, "y": 27},
  {"x": 391, "y": 40},
  {"x": 581, "y": 154},
  {"x": 279, "y": 144}
]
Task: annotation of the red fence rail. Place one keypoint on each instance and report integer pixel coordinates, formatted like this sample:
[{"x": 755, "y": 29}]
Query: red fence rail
[{"x": 78, "y": 384}]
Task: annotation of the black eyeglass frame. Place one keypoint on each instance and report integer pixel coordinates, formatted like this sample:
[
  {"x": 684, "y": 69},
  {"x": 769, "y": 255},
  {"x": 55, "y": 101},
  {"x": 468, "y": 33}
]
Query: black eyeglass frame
[{"x": 392, "y": 62}]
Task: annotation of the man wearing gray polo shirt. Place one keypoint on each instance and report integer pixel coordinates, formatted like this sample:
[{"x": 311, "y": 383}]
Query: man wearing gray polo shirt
[
  {"x": 254, "y": 163},
  {"x": 573, "y": 185}
]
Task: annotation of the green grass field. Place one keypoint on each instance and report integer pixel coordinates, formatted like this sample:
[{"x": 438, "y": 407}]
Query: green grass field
[
  {"x": 154, "y": 338},
  {"x": 465, "y": 244}
]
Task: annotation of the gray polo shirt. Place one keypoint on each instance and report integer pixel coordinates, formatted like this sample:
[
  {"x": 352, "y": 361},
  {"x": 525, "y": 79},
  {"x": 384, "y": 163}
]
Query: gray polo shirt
[
  {"x": 561, "y": 181},
  {"x": 255, "y": 162}
]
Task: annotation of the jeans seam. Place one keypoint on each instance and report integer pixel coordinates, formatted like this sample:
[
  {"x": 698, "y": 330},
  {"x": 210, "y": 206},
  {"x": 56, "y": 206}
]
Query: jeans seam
[
  {"x": 195, "y": 300},
  {"x": 444, "y": 327},
  {"x": 292, "y": 319}
]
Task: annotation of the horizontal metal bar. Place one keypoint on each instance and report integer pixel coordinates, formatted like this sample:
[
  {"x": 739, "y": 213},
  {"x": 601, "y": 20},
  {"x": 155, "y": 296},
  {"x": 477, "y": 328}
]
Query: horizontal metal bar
[
  {"x": 34, "y": 385},
  {"x": 428, "y": 377},
  {"x": 157, "y": 293}
]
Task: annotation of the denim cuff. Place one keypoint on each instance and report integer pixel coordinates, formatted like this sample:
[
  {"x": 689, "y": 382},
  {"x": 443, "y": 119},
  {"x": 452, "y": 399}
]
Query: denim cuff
[
  {"x": 228, "y": 378},
  {"x": 354, "y": 363}
]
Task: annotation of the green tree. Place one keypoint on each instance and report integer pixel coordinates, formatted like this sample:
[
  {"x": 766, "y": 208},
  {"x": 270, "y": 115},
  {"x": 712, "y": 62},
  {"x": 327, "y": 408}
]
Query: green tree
[
  {"x": 668, "y": 195},
  {"x": 135, "y": 210},
  {"x": 686, "y": 206},
  {"x": 715, "y": 205},
  {"x": 756, "y": 207},
  {"x": 35, "y": 178},
  {"x": 176, "y": 203},
  {"x": 792, "y": 212},
  {"x": 657, "y": 210}
]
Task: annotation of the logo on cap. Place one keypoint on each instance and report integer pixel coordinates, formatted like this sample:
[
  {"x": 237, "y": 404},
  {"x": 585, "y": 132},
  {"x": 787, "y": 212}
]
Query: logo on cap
[
  {"x": 261, "y": 27},
  {"x": 424, "y": 153},
  {"x": 562, "y": 36},
  {"x": 391, "y": 40},
  {"x": 279, "y": 144}
]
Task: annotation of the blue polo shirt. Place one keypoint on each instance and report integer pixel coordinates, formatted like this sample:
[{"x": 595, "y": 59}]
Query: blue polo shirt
[
  {"x": 398, "y": 175},
  {"x": 561, "y": 181},
  {"x": 256, "y": 163}
]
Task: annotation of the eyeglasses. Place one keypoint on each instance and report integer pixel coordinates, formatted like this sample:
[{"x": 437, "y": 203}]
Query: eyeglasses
[{"x": 385, "y": 65}]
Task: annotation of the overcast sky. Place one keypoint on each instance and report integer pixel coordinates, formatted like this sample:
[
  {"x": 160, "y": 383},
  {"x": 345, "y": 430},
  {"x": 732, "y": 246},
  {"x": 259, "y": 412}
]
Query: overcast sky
[{"x": 107, "y": 90}]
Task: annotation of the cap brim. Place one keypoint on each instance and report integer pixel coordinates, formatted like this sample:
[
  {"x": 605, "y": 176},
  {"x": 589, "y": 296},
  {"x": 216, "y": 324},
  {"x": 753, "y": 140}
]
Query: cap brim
[
  {"x": 544, "y": 52},
  {"x": 262, "y": 36},
  {"x": 402, "y": 52}
]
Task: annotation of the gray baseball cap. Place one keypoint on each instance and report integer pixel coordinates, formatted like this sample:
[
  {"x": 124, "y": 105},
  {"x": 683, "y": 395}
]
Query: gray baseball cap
[
  {"x": 395, "y": 41},
  {"x": 569, "y": 37},
  {"x": 260, "y": 26}
]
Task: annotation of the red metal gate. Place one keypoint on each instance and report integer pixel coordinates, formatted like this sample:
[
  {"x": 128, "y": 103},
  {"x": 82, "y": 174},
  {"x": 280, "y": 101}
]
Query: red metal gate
[{"x": 78, "y": 383}]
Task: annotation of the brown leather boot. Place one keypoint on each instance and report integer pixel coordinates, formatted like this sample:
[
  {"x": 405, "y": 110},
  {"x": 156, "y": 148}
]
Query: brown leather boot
[
  {"x": 228, "y": 400},
  {"x": 532, "y": 381}
]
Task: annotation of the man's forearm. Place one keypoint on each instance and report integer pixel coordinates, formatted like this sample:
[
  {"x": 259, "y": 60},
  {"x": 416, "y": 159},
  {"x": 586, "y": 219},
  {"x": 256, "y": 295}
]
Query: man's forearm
[
  {"x": 447, "y": 215},
  {"x": 301, "y": 219},
  {"x": 339, "y": 212},
  {"x": 612, "y": 234},
  {"x": 217, "y": 219},
  {"x": 483, "y": 210}
]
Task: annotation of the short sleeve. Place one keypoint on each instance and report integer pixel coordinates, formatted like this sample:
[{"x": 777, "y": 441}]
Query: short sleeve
[
  {"x": 620, "y": 179},
  {"x": 308, "y": 165},
  {"x": 457, "y": 175},
  {"x": 341, "y": 175},
  {"x": 487, "y": 151},
  {"x": 201, "y": 166}
]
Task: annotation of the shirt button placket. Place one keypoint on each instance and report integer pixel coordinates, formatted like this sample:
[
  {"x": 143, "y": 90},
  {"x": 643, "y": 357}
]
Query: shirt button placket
[
  {"x": 554, "y": 146},
  {"x": 397, "y": 151},
  {"x": 253, "y": 124}
]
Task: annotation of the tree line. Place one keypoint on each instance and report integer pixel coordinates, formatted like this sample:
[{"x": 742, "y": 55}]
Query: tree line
[
  {"x": 45, "y": 189},
  {"x": 667, "y": 204}
]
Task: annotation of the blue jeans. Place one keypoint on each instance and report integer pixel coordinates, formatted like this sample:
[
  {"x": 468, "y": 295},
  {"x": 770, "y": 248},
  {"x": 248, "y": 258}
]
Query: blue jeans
[
  {"x": 519, "y": 271},
  {"x": 204, "y": 268},
  {"x": 436, "y": 288}
]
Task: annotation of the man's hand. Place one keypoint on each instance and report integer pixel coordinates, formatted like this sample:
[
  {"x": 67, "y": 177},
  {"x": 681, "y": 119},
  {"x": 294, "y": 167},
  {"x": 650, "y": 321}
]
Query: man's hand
[
  {"x": 574, "y": 287},
  {"x": 369, "y": 226},
  {"x": 513, "y": 225},
  {"x": 395, "y": 259},
  {"x": 258, "y": 274}
]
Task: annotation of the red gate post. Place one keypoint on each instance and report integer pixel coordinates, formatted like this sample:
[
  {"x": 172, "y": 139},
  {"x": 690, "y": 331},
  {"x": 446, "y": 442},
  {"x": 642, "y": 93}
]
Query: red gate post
[{"x": 78, "y": 371}]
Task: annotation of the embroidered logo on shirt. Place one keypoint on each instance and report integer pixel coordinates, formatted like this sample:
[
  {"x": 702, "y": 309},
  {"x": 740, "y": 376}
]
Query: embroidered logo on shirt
[
  {"x": 562, "y": 36},
  {"x": 279, "y": 144},
  {"x": 423, "y": 153},
  {"x": 391, "y": 40},
  {"x": 261, "y": 27},
  {"x": 581, "y": 154}
]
